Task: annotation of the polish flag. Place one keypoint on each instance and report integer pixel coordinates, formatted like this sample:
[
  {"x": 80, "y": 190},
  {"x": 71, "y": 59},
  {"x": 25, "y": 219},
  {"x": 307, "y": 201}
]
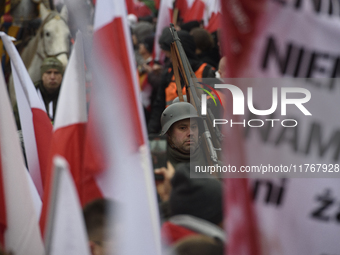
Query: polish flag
[
  {"x": 137, "y": 8},
  {"x": 212, "y": 15},
  {"x": 240, "y": 224},
  {"x": 19, "y": 229},
  {"x": 35, "y": 124},
  {"x": 130, "y": 6},
  {"x": 70, "y": 121},
  {"x": 190, "y": 10},
  {"x": 238, "y": 34},
  {"x": 128, "y": 178},
  {"x": 93, "y": 165},
  {"x": 66, "y": 231},
  {"x": 165, "y": 16}
]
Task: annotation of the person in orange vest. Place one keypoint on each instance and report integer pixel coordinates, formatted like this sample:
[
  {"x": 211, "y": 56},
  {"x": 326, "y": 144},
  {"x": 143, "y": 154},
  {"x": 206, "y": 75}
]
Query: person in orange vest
[{"x": 167, "y": 90}]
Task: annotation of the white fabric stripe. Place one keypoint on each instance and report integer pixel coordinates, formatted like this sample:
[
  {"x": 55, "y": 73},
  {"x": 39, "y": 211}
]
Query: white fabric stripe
[
  {"x": 24, "y": 77},
  {"x": 23, "y": 84},
  {"x": 71, "y": 108},
  {"x": 22, "y": 235},
  {"x": 27, "y": 127},
  {"x": 67, "y": 232}
]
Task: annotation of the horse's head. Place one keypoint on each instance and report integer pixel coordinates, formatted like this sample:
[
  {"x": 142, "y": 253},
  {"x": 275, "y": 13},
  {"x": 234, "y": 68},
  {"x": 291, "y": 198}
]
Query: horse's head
[{"x": 55, "y": 34}]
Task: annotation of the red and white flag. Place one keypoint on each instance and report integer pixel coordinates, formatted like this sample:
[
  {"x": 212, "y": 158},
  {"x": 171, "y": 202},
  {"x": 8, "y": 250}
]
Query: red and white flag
[
  {"x": 70, "y": 121},
  {"x": 25, "y": 112},
  {"x": 18, "y": 223},
  {"x": 239, "y": 213},
  {"x": 240, "y": 223},
  {"x": 212, "y": 15},
  {"x": 165, "y": 16},
  {"x": 190, "y": 10},
  {"x": 35, "y": 124},
  {"x": 130, "y": 6},
  {"x": 137, "y": 8},
  {"x": 128, "y": 178},
  {"x": 66, "y": 231}
]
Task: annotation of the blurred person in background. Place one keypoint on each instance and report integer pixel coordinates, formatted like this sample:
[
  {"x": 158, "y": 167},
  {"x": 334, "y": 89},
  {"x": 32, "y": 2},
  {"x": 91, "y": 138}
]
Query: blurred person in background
[
  {"x": 194, "y": 205},
  {"x": 149, "y": 75},
  {"x": 96, "y": 222},
  {"x": 204, "y": 45}
]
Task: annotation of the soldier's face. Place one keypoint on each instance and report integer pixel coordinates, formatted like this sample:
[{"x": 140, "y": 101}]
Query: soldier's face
[
  {"x": 51, "y": 80},
  {"x": 184, "y": 135}
]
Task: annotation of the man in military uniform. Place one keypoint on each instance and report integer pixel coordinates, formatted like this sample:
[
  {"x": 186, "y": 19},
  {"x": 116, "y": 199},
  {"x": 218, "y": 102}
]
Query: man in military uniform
[
  {"x": 183, "y": 128},
  {"x": 48, "y": 87}
]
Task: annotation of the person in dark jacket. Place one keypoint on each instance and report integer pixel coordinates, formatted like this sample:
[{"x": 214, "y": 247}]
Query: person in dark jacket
[
  {"x": 204, "y": 46},
  {"x": 48, "y": 87},
  {"x": 195, "y": 206}
]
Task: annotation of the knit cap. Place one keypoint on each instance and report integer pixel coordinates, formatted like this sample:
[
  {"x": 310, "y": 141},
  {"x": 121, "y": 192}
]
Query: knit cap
[{"x": 51, "y": 62}]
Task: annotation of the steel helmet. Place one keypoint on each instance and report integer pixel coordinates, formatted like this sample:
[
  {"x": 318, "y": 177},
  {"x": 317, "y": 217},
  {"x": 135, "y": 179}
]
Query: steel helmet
[{"x": 179, "y": 111}]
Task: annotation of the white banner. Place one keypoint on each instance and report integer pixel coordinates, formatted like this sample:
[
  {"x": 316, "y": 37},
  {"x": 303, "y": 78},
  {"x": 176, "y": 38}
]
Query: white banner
[{"x": 298, "y": 39}]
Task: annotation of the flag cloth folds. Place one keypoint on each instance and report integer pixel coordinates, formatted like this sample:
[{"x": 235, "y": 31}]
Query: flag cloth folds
[
  {"x": 190, "y": 10},
  {"x": 22, "y": 234},
  {"x": 35, "y": 124},
  {"x": 212, "y": 15},
  {"x": 70, "y": 121},
  {"x": 164, "y": 19},
  {"x": 3, "y": 216},
  {"x": 66, "y": 232},
  {"x": 128, "y": 178}
]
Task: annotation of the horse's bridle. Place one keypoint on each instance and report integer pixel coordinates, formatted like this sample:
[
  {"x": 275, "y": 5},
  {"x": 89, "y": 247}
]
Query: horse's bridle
[{"x": 50, "y": 16}]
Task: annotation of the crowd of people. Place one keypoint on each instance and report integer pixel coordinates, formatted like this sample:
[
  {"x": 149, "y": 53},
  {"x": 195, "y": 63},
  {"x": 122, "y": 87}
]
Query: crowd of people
[
  {"x": 191, "y": 209},
  {"x": 259, "y": 42}
]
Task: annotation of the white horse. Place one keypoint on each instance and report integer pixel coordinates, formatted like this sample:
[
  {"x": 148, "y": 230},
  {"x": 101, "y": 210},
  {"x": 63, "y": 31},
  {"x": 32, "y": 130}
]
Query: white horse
[{"x": 52, "y": 40}]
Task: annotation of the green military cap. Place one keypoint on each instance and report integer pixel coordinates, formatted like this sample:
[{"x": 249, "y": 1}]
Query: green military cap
[{"x": 51, "y": 62}]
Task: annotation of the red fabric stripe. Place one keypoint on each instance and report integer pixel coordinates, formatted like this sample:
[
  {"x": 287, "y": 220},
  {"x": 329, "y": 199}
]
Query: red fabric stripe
[
  {"x": 94, "y": 164},
  {"x": 157, "y": 3},
  {"x": 214, "y": 22},
  {"x": 244, "y": 235},
  {"x": 112, "y": 48},
  {"x": 142, "y": 10},
  {"x": 69, "y": 143},
  {"x": 172, "y": 233},
  {"x": 3, "y": 216},
  {"x": 130, "y": 6},
  {"x": 182, "y": 7},
  {"x": 195, "y": 13},
  {"x": 43, "y": 135},
  {"x": 241, "y": 32}
]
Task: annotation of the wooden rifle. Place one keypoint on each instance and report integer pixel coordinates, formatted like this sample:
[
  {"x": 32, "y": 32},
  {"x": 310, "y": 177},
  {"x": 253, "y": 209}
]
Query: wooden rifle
[{"x": 211, "y": 136}]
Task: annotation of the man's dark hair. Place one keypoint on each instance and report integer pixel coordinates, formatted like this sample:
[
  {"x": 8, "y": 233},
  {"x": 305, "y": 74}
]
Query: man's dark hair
[
  {"x": 202, "y": 38},
  {"x": 96, "y": 216},
  {"x": 199, "y": 245}
]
